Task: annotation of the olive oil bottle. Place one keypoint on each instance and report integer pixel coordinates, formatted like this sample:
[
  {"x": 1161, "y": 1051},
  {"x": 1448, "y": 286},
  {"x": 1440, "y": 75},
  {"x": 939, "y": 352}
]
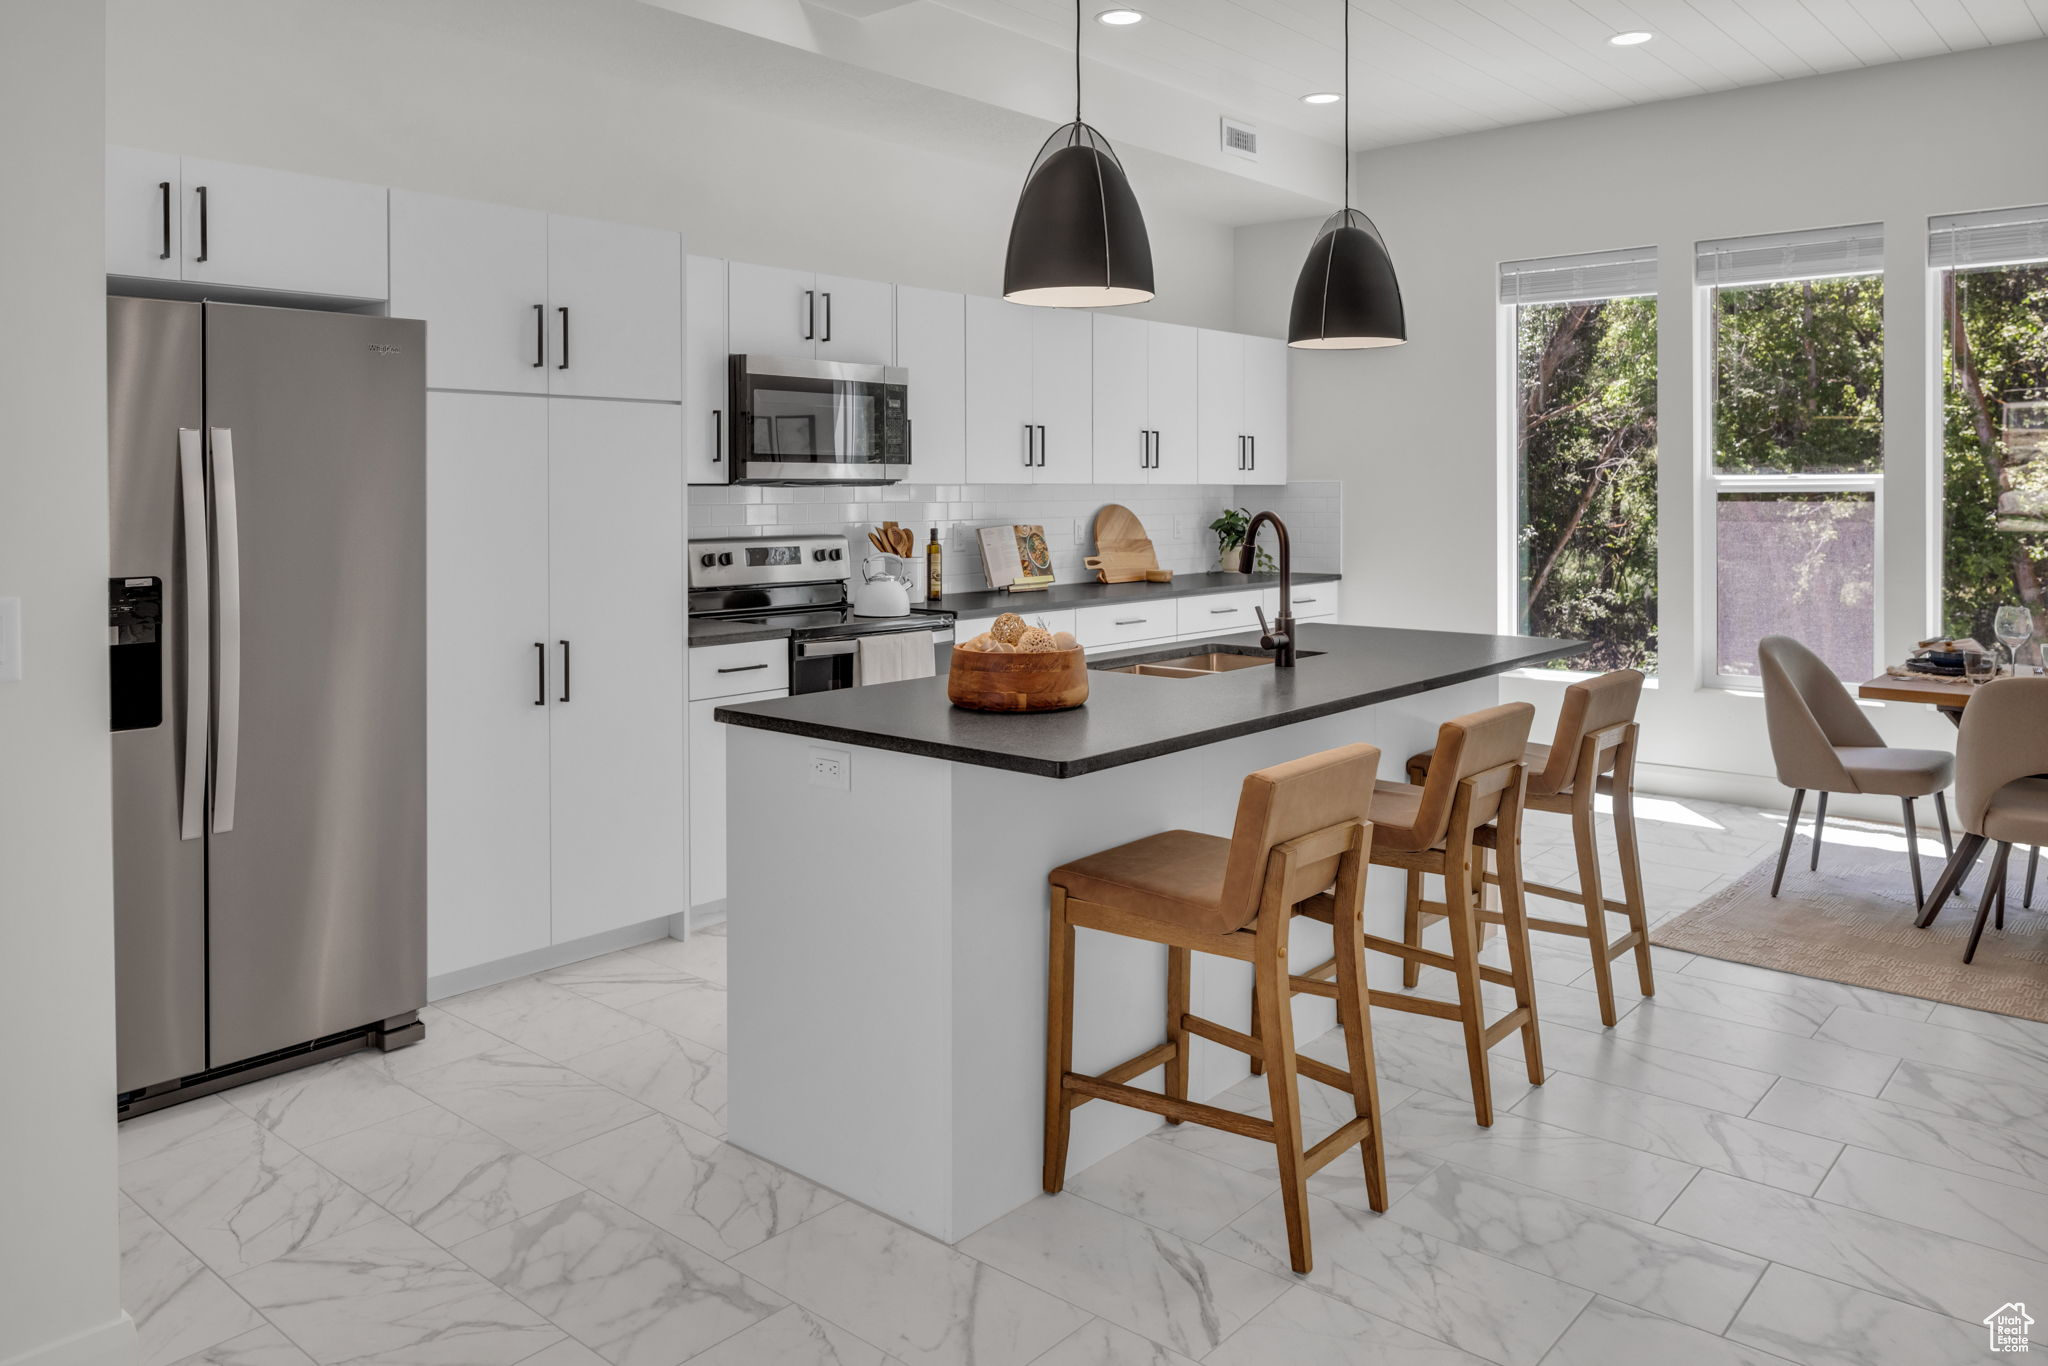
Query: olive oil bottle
[{"x": 934, "y": 578}]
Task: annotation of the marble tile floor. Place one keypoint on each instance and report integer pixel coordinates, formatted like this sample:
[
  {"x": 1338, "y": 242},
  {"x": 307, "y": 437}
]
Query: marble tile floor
[{"x": 1752, "y": 1168}]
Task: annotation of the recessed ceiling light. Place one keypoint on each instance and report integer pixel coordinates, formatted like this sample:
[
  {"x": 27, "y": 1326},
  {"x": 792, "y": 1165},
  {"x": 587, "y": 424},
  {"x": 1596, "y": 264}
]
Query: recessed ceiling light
[
  {"x": 1633, "y": 38},
  {"x": 1322, "y": 97},
  {"x": 1119, "y": 17}
]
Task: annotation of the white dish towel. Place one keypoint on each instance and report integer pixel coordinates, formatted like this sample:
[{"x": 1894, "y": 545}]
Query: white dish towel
[{"x": 894, "y": 657}]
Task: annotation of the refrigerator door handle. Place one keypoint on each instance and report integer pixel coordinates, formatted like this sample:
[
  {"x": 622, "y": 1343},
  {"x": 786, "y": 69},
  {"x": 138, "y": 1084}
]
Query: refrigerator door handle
[
  {"x": 198, "y": 633},
  {"x": 227, "y": 743}
]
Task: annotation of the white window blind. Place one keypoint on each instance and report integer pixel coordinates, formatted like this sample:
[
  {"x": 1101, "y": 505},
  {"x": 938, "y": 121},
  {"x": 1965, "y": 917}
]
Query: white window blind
[
  {"x": 2001, "y": 237},
  {"x": 1781, "y": 256},
  {"x": 1594, "y": 275}
]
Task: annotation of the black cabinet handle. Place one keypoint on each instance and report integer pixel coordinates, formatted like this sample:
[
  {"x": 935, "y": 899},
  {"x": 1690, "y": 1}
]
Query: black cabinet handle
[
  {"x": 1030, "y": 451},
  {"x": 810, "y": 315},
  {"x": 1240, "y": 450},
  {"x": 565, "y": 671},
  {"x": 827, "y": 336},
  {"x": 1253, "y": 441},
  {"x": 1129, "y": 621},
  {"x": 741, "y": 668},
  {"x": 163, "y": 189},
  {"x": 540, "y": 673},
  {"x": 717, "y": 436},
  {"x": 1041, "y": 445},
  {"x": 202, "y": 223},
  {"x": 540, "y": 335},
  {"x": 565, "y": 338},
  {"x": 1144, "y": 449}
]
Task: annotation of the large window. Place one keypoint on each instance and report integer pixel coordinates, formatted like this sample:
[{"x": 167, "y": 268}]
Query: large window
[
  {"x": 1797, "y": 435},
  {"x": 1992, "y": 287},
  {"x": 1585, "y": 434}
]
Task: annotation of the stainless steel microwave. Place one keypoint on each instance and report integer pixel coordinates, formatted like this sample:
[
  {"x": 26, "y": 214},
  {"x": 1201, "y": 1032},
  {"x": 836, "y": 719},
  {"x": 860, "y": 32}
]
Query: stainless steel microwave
[{"x": 801, "y": 421}]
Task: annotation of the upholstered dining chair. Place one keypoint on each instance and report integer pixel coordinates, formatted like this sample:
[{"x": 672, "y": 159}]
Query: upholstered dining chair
[
  {"x": 2001, "y": 750},
  {"x": 1822, "y": 742}
]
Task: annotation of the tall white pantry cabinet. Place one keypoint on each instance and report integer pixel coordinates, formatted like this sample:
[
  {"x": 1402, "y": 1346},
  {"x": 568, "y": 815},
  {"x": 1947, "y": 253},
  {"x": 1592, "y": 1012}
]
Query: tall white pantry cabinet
[{"x": 556, "y": 527}]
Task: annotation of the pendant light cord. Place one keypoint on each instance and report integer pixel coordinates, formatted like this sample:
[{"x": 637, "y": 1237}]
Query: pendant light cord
[
  {"x": 1077, "y": 61},
  {"x": 1347, "y": 100}
]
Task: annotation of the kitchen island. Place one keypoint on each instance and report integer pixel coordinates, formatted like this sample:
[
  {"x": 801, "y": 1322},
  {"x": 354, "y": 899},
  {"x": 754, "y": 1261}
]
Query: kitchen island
[{"x": 887, "y": 862}]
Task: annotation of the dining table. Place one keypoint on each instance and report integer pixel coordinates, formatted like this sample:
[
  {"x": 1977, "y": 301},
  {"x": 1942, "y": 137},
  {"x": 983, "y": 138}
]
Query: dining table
[{"x": 1950, "y": 695}]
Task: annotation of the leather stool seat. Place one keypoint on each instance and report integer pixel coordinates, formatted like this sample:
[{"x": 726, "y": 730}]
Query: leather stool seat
[
  {"x": 1175, "y": 877},
  {"x": 1397, "y": 817}
]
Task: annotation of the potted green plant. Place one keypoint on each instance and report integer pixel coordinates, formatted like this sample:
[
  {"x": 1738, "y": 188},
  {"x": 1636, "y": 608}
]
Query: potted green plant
[{"x": 1233, "y": 555}]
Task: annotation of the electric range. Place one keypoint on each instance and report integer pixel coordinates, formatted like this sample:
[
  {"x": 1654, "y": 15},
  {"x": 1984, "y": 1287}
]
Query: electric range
[{"x": 798, "y": 584}]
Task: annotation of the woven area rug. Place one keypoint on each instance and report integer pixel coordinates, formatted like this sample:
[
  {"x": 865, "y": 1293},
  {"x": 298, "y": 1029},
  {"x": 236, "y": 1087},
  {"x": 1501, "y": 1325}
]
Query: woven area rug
[{"x": 1852, "y": 922}]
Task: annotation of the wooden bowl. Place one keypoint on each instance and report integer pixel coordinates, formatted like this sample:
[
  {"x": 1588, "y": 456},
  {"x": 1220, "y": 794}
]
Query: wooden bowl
[{"x": 1052, "y": 680}]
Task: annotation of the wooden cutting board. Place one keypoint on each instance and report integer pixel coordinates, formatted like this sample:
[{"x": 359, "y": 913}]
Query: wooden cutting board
[{"x": 1123, "y": 553}]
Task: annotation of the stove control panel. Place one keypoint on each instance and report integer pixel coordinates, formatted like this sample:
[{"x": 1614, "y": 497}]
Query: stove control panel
[{"x": 749, "y": 562}]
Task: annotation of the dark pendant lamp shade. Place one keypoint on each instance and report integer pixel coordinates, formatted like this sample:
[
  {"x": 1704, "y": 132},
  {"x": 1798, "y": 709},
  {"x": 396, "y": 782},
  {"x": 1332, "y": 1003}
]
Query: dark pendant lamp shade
[
  {"x": 1078, "y": 239},
  {"x": 1347, "y": 296}
]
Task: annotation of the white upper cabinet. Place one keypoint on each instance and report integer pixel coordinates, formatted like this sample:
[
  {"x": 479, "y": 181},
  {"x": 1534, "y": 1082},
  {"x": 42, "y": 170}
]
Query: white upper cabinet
[
  {"x": 523, "y": 302},
  {"x": 1219, "y": 407},
  {"x": 1265, "y": 410},
  {"x": 1172, "y": 382},
  {"x": 615, "y": 296},
  {"x": 144, "y": 227},
  {"x": 1002, "y": 439},
  {"x": 795, "y": 313},
  {"x": 856, "y": 320},
  {"x": 1030, "y": 380},
  {"x": 251, "y": 228},
  {"x": 1144, "y": 401},
  {"x": 931, "y": 343},
  {"x": 478, "y": 274},
  {"x": 705, "y": 379},
  {"x": 1062, "y": 387},
  {"x": 1241, "y": 409}
]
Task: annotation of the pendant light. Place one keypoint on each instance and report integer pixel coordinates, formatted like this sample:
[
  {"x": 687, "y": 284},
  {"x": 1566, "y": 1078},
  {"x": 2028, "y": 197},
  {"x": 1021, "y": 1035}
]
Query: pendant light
[
  {"x": 1078, "y": 240},
  {"x": 1347, "y": 297}
]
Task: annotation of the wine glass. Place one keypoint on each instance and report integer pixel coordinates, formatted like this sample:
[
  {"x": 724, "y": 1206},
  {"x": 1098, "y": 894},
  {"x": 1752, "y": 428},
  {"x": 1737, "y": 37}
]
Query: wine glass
[{"x": 2014, "y": 627}]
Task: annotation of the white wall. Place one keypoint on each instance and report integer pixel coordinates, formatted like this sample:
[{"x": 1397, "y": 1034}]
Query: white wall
[
  {"x": 605, "y": 108},
  {"x": 1412, "y": 431},
  {"x": 59, "y": 1282}
]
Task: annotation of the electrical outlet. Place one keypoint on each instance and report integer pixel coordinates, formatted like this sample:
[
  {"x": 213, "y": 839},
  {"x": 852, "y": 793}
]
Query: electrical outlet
[
  {"x": 832, "y": 768},
  {"x": 10, "y": 640},
  {"x": 1183, "y": 526},
  {"x": 963, "y": 537},
  {"x": 1081, "y": 531}
]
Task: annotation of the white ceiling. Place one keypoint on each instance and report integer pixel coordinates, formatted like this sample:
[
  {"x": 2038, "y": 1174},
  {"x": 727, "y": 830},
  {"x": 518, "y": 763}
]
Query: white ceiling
[{"x": 1430, "y": 68}]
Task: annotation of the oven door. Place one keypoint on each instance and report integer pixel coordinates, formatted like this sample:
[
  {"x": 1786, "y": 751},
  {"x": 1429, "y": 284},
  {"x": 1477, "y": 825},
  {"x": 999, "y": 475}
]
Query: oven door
[
  {"x": 827, "y": 665},
  {"x": 802, "y": 421}
]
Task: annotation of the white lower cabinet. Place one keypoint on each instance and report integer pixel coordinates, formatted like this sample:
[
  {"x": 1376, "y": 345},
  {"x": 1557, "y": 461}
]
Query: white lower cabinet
[
  {"x": 555, "y": 672},
  {"x": 1218, "y": 614},
  {"x": 707, "y": 792},
  {"x": 1134, "y": 623},
  {"x": 1311, "y": 601}
]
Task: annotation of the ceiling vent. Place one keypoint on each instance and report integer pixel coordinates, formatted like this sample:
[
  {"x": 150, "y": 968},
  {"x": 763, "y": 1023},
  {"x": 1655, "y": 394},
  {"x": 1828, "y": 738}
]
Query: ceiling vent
[{"x": 1240, "y": 138}]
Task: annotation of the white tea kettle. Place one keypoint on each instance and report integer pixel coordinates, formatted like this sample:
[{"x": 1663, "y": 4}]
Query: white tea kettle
[{"x": 882, "y": 593}]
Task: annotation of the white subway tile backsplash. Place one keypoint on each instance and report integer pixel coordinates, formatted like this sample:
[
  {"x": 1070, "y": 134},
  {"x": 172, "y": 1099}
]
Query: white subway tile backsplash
[{"x": 1312, "y": 509}]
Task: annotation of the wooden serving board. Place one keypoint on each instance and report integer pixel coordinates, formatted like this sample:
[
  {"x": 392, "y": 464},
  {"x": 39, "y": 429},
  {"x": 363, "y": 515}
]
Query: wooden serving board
[{"x": 1123, "y": 553}]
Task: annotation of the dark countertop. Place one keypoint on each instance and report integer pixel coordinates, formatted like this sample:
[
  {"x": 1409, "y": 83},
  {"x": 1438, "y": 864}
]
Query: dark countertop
[
  {"x": 715, "y": 632},
  {"x": 1059, "y": 597},
  {"x": 1123, "y": 721},
  {"x": 1088, "y": 593}
]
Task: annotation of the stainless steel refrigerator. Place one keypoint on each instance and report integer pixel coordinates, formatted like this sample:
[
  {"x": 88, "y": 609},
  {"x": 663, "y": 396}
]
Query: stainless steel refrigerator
[{"x": 267, "y": 630}]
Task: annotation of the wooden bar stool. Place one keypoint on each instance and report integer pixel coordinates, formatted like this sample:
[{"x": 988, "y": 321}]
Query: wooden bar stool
[
  {"x": 1593, "y": 750},
  {"x": 1301, "y": 827},
  {"x": 1471, "y": 800}
]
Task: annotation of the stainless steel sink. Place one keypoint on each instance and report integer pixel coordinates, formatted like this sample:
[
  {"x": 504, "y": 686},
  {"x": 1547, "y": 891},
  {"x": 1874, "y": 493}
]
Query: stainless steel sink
[{"x": 1201, "y": 663}]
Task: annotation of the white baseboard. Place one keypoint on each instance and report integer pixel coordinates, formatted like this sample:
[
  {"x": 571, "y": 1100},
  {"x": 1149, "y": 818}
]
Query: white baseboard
[
  {"x": 540, "y": 960},
  {"x": 108, "y": 1344},
  {"x": 705, "y": 916}
]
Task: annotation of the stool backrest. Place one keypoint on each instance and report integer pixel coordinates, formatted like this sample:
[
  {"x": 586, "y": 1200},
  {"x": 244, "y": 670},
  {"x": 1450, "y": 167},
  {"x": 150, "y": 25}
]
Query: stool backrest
[
  {"x": 1590, "y": 706},
  {"x": 1285, "y": 802},
  {"x": 2004, "y": 737},
  {"x": 1809, "y": 712},
  {"x": 1466, "y": 746}
]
